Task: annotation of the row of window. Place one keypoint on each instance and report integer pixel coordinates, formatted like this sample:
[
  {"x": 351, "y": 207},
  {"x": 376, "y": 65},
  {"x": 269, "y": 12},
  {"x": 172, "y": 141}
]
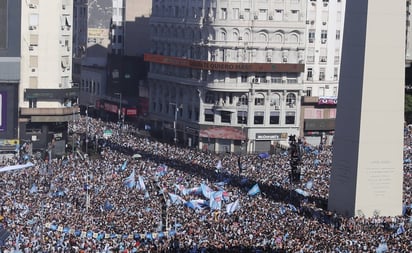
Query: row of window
[
  {"x": 323, "y": 36},
  {"x": 322, "y": 74},
  {"x": 258, "y": 117}
]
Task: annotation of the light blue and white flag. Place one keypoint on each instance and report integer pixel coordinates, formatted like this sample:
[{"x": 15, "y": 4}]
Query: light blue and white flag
[
  {"x": 302, "y": 192},
  {"x": 232, "y": 207},
  {"x": 176, "y": 199},
  {"x": 309, "y": 184},
  {"x": 141, "y": 186},
  {"x": 254, "y": 190},
  {"x": 123, "y": 166},
  {"x": 206, "y": 191},
  {"x": 382, "y": 248},
  {"x": 33, "y": 189},
  {"x": 130, "y": 181},
  {"x": 215, "y": 202},
  {"x": 400, "y": 230}
]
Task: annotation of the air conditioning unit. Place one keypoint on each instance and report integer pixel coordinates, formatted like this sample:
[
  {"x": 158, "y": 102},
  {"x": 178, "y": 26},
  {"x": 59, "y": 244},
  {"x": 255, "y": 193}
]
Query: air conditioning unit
[
  {"x": 63, "y": 6},
  {"x": 31, "y": 48},
  {"x": 324, "y": 23},
  {"x": 307, "y": 22},
  {"x": 240, "y": 38},
  {"x": 32, "y": 6},
  {"x": 241, "y": 17},
  {"x": 32, "y": 27},
  {"x": 255, "y": 17},
  {"x": 323, "y": 41},
  {"x": 33, "y": 70},
  {"x": 285, "y": 59},
  {"x": 326, "y": 86},
  {"x": 256, "y": 80},
  {"x": 268, "y": 59},
  {"x": 277, "y": 107},
  {"x": 271, "y": 17}
]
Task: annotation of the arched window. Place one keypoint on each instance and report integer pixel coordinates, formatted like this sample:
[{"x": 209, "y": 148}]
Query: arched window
[
  {"x": 243, "y": 100},
  {"x": 259, "y": 99},
  {"x": 274, "y": 100},
  {"x": 223, "y": 35}
]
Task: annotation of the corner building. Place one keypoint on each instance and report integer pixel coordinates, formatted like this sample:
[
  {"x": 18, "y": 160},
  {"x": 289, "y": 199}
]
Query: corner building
[{"x": 226, "y": 75}]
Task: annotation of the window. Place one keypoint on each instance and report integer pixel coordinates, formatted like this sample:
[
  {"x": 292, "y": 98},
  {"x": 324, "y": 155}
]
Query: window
[
  {"x": 209, "y": 98},
  {"x": 291, "y": 100},
  {"x": 258, "y": 119},
  {"x": 209, "y": 115},
  {"x": 322, "y": 74},
  {"x": 309, "y": 91},
  {"x": 309, "y": 74},
  {"x": 263, "y": 14},
  {"x": 223, "y": 13},
  {"x": 294, "y": 15},
  {"x": 259, "y": 99},
  {"x": 274, "y": 118},
  {"x": 278, "y": 15},
  {"x": 235, "y": 13},
  {"x": 247, "y": 14},
  {"x": 242, "y": 100},
  {"x": 225, "y": 116},
  {"x": 243, "y": 78},
  {"x": 337, "y": 34},
  {"x": 33, "y": 61},
  {"x": 242, "y": 117},
  {"x": 335, "y": 73},
  {"x": 323, "y": 55},
  {"x": 311, "y": 36},
  {"x": 324, "y": 36},
  {"x": 33, "y": 82},
  {"x": 34, "y": 39},
  {"x": 290, "y": 118}
]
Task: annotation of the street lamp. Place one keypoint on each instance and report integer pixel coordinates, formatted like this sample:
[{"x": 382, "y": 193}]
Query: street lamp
[
  {"x": 87, "y": 126},
  {"x": 175, "y": 121},
  {"x": 120, "y": 105}
]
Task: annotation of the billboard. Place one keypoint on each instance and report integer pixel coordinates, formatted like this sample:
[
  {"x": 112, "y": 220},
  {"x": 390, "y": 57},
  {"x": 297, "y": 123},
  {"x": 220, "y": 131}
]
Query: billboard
[{"x": 3, "y": 111}]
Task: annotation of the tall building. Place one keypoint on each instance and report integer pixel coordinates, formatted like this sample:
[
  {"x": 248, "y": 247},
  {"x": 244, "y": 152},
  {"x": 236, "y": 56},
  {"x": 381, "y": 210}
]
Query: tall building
[
  {"x": 10, "y": 12},
  {"x": 46, "y": 97},
  {"x": 227, "y": 75},
  {"x": 324, "y": 36}
]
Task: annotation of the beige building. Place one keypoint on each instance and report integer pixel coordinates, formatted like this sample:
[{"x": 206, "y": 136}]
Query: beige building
[
  {"x": 46, "y": 97},
  {"x": 227, "y": 75}
]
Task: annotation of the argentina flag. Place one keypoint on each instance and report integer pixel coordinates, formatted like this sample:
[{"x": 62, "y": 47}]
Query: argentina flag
[{"x": 254, "y": 190}]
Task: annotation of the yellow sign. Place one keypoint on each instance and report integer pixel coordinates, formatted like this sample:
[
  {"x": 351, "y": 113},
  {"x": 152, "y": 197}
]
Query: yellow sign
[{"x": 9, "y": 142}]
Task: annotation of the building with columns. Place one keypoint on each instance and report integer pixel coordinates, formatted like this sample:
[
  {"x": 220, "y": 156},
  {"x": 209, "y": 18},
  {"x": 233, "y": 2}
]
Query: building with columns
[{"x": 227, "y": 76}]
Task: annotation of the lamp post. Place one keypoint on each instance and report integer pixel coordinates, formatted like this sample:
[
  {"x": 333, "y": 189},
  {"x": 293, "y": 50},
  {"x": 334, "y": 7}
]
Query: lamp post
[
  {"x": 87, "y": 126},
  {"x": 175, "y": 121},
  {"x": 120, "y": 105}
]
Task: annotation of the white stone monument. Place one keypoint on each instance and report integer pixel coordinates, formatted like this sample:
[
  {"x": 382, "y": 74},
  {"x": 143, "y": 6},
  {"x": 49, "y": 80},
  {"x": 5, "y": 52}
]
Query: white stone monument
[{"x": 367, "y": 166}]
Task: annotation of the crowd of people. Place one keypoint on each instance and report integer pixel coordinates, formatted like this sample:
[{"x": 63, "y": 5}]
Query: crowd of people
[{"x": 137, "y": 194}]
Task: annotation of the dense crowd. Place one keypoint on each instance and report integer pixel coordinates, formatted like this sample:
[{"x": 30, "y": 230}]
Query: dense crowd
[{"x": 141, "y": 195}]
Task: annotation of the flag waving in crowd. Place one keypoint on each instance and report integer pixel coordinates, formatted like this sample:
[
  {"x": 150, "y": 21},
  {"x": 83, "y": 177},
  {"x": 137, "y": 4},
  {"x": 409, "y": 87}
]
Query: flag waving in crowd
[
  {"x": 254, "y": 190},
  {"x": 130, "y": 181}
]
